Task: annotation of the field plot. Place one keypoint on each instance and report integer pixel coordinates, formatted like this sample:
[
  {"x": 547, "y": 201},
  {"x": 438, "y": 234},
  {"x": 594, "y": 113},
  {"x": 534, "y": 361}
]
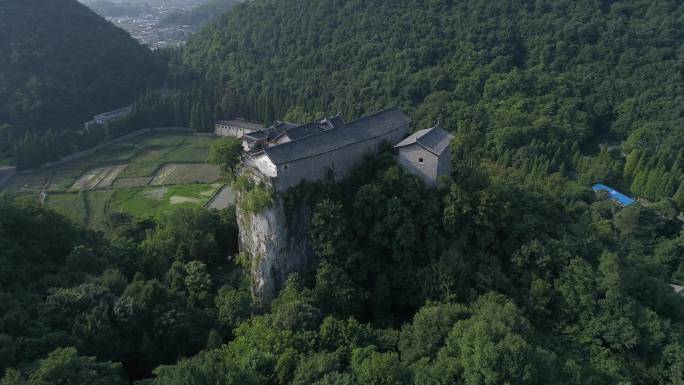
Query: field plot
[
  {"x": 149, "y": 202},
  {"x": 165, "y": 140},
  {"x": 144, "y": 177},
  {"x": 71, "y": 205},
  {"x": 63, "y": 179},
  {"x": 131, "y": 182},
  {"x": 145, "y": 163},
  {"x": 28, "y": 183},
  {"x": 195, "y": 149},
  {"x": 118, "y": 153},
  {"x": 98, "y": 207},
  {"x": 186, "y": 173},
  {"x": 111, "y": 176},
  {"x": 99, "y": 177}
]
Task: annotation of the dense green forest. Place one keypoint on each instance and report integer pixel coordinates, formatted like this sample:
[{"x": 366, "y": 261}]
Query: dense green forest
[
  {"x": 60, "y": 64},
  {"x": 492, "y": 278},
  {"x": 538, "y": 85},
  {"x": 512, "y": 271}
]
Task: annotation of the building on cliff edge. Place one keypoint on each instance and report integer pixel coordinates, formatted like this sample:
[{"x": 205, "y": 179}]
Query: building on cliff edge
[
  {"x": 290, "y": 154},
  {"x": 427, "y": 153},
  {"x": 276, "y": 238}
]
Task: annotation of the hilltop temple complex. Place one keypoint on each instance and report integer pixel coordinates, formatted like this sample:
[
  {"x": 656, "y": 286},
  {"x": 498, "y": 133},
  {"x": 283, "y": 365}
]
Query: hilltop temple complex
[{"x": 286, "y": 154}]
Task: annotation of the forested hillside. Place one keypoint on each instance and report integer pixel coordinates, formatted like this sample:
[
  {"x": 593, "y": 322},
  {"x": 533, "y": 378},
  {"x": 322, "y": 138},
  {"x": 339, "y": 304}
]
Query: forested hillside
[
  {"x": 60, "y": 64},
  {"x": 511, "y": 271},
  {"x": 487, "y": 280},
  {"x": 533, "y": 84}
]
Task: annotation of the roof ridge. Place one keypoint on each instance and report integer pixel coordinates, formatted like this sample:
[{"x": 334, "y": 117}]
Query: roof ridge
[{"x": 325, "y": 141}]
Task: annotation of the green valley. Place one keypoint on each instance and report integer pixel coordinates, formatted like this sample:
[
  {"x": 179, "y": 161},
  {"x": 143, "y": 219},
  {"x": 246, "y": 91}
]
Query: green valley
[{"x": 143, "y": 177}]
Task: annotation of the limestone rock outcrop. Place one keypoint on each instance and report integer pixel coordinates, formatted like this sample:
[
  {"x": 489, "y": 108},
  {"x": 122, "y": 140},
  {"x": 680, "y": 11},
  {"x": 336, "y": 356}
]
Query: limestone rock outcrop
[{"x": 276, "y": 243}]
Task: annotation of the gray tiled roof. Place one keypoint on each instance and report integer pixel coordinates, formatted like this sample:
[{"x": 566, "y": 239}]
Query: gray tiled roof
[
  {"x": 434, "y": 139},
  {"x": 269, "y": 133},
  {"x": 368, "y": 127},
  {"x": 315, "y": 127},
  {"x": 256, "y": 136}
]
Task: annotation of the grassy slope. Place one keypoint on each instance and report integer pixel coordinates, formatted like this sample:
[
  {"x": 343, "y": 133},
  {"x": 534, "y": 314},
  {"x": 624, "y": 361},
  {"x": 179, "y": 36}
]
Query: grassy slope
[
  {"x": 71, "y": 205},
  {"x": 151, "y": 201}
]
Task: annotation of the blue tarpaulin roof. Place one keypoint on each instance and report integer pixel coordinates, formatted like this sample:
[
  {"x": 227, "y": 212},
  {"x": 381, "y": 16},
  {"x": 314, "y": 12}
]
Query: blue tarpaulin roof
[{"x": 614, "y": 195}]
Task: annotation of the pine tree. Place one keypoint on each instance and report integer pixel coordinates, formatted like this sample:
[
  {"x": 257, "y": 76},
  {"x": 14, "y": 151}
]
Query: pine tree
[
  {"x": 658, "y": 184},
  {"x": 195, "y": 122},
  {"x": 642, "y": 165},
  {"x": 631, "y": 163},
  {"x": 639, "y": 182},
  {"x": 664, "y": 186},
  {"x": 678, "y": 197},
  {"x": 649, "y": 189}
]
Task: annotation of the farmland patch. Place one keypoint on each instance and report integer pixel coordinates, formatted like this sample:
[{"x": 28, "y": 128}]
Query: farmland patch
[
  {"x": 149, "y": 202},
  {"x": 186, "y": 173},
  {"x": 131, "y": 182},
  {"x": 98, "y": 177}
]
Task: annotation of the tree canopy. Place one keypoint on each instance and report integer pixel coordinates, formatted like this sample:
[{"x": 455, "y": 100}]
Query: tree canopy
[
  {"x": 61, "y": 65},
  {"x": 510, "y": 271},
  {"x": 544, "y": 86}
]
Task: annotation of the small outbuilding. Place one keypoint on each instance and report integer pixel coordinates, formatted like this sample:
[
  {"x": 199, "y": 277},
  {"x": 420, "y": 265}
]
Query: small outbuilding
[
  {"x": 621, "y": 199},
  {"x": 328, "y": 147},
  {"x": 427, "y": 153},
  {"x": 103, "y": 119}
]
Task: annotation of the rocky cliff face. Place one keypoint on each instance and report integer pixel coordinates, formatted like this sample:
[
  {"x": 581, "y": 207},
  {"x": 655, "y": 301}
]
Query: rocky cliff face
[{"x": 276, "y": 241}]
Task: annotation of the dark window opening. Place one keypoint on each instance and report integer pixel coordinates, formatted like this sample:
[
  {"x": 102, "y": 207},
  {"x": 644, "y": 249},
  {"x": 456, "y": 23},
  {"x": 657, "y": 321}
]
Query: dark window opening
[
  {"x": 420, "y": 160},
  {"x": 285, "y": 167}
]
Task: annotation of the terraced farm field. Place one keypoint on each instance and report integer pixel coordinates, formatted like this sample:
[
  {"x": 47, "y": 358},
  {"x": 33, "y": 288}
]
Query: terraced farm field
[
  {"x": 185, "y": 173},
  {"x": 148, "y": 202},
  {"x": 99, "y": 177},
  {"x": 143, "y": 177}
]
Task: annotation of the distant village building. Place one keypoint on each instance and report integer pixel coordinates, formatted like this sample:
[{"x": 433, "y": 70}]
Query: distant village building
[
  {"x": 427, "y": 153},
  {"x": 108, "y": 117},
  {"x": 614, "y": 195},
  {"x": 290, "y": 154},
  {"x": 236, "y": 128}
]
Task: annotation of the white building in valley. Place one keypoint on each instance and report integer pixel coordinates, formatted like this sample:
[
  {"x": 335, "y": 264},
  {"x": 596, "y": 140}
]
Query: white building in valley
[{"x": 236, "y": 128}]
